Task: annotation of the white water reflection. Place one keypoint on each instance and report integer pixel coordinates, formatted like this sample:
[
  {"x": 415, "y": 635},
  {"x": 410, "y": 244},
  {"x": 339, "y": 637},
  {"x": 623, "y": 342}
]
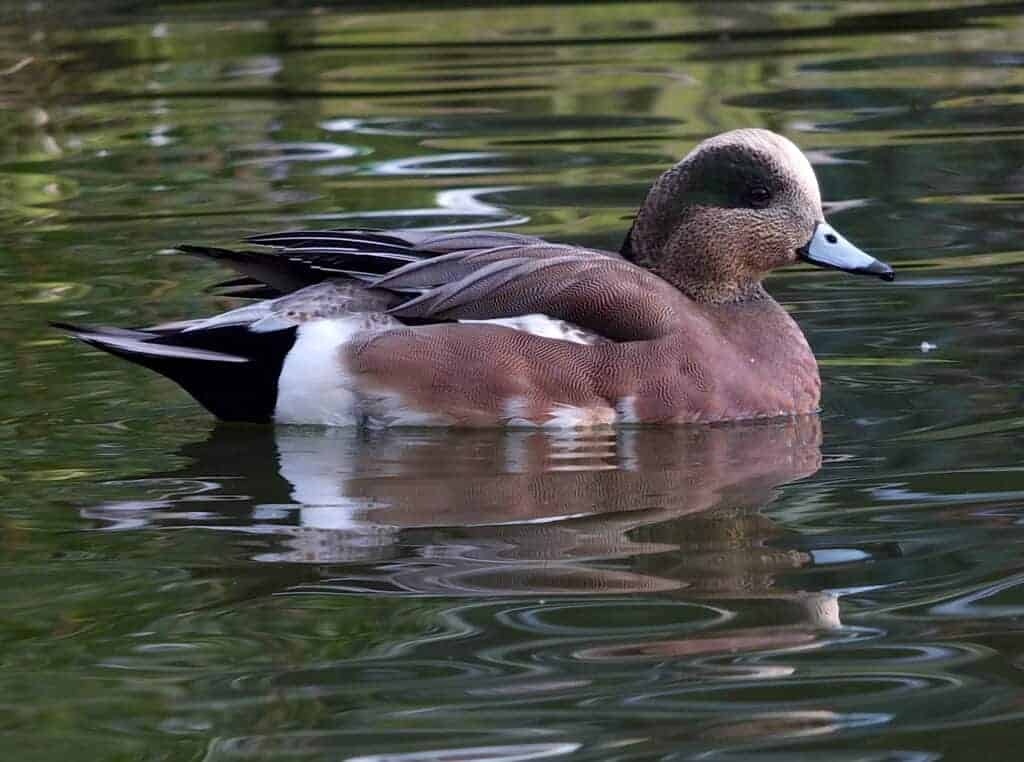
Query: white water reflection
[{"x": 458, "y": 163}]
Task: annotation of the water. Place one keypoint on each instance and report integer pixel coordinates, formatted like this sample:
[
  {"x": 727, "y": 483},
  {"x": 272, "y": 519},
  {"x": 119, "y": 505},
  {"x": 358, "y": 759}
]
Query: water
[{"x": 848, "y": 587}]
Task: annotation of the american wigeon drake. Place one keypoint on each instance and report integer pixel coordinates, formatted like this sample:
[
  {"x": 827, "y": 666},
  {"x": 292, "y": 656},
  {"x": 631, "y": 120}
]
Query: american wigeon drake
[{"x": 416, "y": 328}]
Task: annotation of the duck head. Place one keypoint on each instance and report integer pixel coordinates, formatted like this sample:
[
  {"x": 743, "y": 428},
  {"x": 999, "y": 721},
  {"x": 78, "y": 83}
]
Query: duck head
[{"x": 737, "y": 206}]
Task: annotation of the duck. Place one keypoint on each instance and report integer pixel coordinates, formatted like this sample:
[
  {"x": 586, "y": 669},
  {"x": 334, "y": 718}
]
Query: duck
[{"x": 483, "y": 328}]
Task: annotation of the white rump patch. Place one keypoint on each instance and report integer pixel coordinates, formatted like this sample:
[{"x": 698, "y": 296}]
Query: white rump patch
[
  {"x": 314, "y": 386},
  {"x": 543, "y": 325}
]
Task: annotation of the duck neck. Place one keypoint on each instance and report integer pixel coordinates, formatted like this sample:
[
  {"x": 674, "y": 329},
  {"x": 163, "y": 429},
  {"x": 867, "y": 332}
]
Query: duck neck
[
  {"x": 685, "y": 272},
  {"x": 718, "y": 292}
]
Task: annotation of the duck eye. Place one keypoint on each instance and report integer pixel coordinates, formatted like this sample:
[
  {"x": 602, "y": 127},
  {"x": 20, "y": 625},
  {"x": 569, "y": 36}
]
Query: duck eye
[{"x": 758, "y": 196}]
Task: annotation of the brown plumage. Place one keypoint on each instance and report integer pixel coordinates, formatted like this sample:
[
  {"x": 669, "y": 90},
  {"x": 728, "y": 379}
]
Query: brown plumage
[{"x": 383, "y": 326}]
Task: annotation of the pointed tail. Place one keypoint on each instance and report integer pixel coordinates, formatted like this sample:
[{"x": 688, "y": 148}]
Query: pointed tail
[{"x": 229, "y": 370}]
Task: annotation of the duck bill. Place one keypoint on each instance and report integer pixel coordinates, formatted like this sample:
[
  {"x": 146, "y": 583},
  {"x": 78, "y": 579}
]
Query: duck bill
[{"x": 829, "y": 249}]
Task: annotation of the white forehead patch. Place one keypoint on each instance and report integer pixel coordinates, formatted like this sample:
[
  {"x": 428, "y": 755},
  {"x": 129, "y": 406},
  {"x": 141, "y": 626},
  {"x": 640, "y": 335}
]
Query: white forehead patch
[
  {"x": 774, "y": 144},
  {"x": 543, "y": 325},
  {"x": 801, "y": 166}
]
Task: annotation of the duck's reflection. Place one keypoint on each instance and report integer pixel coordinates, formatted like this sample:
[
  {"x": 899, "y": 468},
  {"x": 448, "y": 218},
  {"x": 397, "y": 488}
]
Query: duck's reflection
[
  {"x": 674, "y": 512},
  {"x": 498, "y": 511}
]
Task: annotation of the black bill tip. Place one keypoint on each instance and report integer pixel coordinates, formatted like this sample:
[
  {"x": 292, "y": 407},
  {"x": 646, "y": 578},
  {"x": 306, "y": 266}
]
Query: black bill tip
[{"x": 882, "y": 270}]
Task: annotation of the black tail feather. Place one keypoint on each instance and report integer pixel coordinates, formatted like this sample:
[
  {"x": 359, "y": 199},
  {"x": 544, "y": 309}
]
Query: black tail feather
[
  {"x": 229, "y": 370},
  {"x": 232, "y": 371}
]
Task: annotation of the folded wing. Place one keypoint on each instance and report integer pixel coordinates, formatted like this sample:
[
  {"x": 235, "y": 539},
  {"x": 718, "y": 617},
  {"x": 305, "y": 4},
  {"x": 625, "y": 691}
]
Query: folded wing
[
  {"x": 596, "y": 291},
  {"x": 472, "y": 275}
]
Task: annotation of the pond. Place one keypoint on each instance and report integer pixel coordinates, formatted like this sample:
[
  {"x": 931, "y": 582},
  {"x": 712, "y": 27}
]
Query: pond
[{"x": 844, "y": 587}]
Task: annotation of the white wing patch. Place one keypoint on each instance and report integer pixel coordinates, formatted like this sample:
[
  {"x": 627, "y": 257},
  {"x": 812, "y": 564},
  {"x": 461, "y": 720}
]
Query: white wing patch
[{"x": 543, "y": 325}]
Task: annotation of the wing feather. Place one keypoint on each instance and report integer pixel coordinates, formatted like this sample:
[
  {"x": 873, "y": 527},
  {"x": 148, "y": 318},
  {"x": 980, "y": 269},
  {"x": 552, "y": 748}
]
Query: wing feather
[
  {"x": 468, "y": 275},
  {"x": 603, "y": 294}
]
